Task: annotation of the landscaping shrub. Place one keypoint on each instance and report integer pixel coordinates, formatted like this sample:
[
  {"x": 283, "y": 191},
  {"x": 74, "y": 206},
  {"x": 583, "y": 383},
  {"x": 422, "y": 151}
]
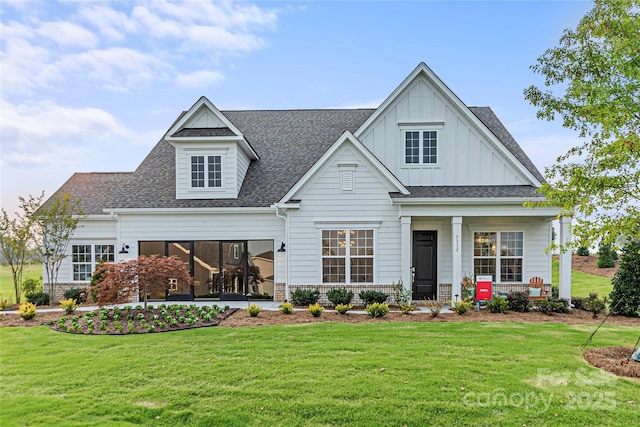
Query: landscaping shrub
[
  {"x": 577, "y": 302},
  {"x": 77, "y": 294},
  {"x": 403, "y": 297},
  {"x": 498, "y": 304},
  {"x": 462, "y": 306},
  {"x": 605, "y": 257},
  {"x": 518, "y": 301},
  {"x": 583, "y": 251},
  {"x": 549, "y": 307},
  {"x": 594, "y": 304},
  {"x": 254, "y": 310},
  {"x": 370, "y": 297},
  {"x": 343, "y": 308},
  {"x": 304, "y": 296},
  {"x": 434, "y": 307},
  {"x": 39, "y": 298},
  {"x": 555, "y": 291},
  {"x": 625, "y": 297},
  {"x": 286, "y": 308},
  {"x": 564, "y": 307},
  {"x": 340, "y": 296},
  {"x": 27, "y": 311},
  {"x": 31, "y": 286},
  {"x": 316, "y": 309},
  {"x": 69, "y": 305},
  {"x": 5, "y": 303},
  {"x": 377, "y": 309}
]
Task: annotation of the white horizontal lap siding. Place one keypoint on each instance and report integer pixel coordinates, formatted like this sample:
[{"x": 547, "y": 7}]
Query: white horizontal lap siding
[
  {"x": 233, "y": 226},
  {"x": 243, "y": 165},
  {"x": 230, "y": 166},
  {"x": 323, "y": 200},
  {"x": 465, "y": 155}
]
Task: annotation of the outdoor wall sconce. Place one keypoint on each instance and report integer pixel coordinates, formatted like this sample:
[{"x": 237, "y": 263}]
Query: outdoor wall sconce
[
  {"x": 125, "y": 249},
  {"x": 282, "y": 249}
]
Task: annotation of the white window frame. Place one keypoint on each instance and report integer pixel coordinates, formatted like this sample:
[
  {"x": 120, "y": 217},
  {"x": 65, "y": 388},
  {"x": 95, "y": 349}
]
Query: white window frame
[
  {"x": 421, "y": 128},
  {"x": 498, "y": 257},
  {"x": 93, "y": 261},
  {"x": 206, "y": 156},
  {"x": 348, "y": 234}
]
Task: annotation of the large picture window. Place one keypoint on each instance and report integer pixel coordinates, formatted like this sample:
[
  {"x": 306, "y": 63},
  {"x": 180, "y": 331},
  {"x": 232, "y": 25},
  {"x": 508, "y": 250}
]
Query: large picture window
[
  {"x": 347, "y": 256},
  {"x": 499, "y": 253},
  {"x": 84, "y": 259}
]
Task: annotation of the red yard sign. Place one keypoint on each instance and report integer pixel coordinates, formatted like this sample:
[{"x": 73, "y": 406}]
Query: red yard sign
[{"x": 483, "y": 288}]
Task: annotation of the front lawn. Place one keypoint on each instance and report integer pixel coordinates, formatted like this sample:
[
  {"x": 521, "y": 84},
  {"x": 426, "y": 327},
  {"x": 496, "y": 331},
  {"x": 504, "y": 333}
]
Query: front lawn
[
  {"x": 412, "y": 374},
  {"x": 582, "y": 283}
]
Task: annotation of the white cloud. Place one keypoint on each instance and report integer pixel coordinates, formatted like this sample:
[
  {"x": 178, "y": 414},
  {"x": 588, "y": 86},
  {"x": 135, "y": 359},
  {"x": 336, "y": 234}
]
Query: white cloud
[
  {"x": 120, "y": 47},
  {"x": 199, "y": 79},
  {"x": 67, "y": 34},
  {"x": 31, "y": 132}
]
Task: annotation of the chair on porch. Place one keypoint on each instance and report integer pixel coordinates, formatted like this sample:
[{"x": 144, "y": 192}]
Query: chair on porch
[{"x": 536, "y": 289}]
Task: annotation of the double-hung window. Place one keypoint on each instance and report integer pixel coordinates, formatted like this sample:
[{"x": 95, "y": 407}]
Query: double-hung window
[
  {"x": 421, "y": 147},
  {"x": 347, "y": 256},
  {"x": 206, "y": 171},
  {"x": 84, "y": 259},
  {"x": 499, "y": 253}
]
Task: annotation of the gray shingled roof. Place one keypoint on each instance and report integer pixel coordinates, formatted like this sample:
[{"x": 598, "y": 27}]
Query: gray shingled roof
[
  {"x": 470, "y": 191},
  {"x": 95, "y": 190},
  {"x": 288, "y": 142},
  {"x": 490, "y": 120},
  {"x": 190, "y": 132}
]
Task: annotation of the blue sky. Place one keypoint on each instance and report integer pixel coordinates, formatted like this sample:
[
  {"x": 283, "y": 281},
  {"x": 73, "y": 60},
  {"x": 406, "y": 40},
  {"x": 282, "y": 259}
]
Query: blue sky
[{"x": 91, "y": 86}]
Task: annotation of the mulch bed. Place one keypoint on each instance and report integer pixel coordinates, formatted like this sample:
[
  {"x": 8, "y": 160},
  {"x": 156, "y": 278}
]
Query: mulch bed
[{"x": 615, "y": 360}]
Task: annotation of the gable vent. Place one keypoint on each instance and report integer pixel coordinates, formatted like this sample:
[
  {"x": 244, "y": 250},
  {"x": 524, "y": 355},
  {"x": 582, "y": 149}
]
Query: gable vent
[{"x": 347, "y": 180}]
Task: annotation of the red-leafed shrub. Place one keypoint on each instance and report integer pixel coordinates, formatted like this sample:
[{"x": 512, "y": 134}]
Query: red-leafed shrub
[{"x": 119, "y": 283}]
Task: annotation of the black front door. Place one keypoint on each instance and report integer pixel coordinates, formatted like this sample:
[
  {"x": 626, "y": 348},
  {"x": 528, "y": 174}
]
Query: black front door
[{"x": 425, "y": 258}]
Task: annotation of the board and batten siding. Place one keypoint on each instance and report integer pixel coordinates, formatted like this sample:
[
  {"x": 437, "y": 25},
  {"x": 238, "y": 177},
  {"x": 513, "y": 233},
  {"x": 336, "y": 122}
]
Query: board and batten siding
[
  {"x": 465, "y": 155},
  {"x": 231, "y": 173},
  {"x": 325, "y": 205}
]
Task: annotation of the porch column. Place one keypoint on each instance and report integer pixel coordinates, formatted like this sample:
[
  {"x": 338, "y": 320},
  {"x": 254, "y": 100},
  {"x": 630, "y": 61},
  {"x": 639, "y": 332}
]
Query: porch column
[
  {"x": 565, "y": 257},
  {"x": 405, "y": 253},
  {"x": 456, "y": 246}
]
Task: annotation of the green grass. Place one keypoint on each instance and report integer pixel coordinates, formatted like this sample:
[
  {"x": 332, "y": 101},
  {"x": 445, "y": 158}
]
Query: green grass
[
  {"x": 582, "y": 283},
  {"x": 6, "y": 280},
  {"x": 316, "y": 374}
]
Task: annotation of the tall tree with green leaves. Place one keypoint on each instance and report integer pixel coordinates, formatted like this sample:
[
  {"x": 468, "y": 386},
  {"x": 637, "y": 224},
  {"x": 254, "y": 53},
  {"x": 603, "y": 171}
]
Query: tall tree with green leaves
[
  {"x": 56, "y": 222},
  {"x": 592, "y": 83},
  {"x": 17, "y": 235}
]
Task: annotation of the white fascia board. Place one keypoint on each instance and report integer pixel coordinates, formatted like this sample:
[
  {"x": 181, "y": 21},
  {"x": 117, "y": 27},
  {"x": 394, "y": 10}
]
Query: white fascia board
[
  {"x": 516, "y": 201},
  {"x": 189, "y": 211},
  {"x": 479, "y": 210},
  {"x": 346, "y": 136},
  {"x": 171, "y": 139},
  {"x": 96, "y": 217},
  {"x": 423, "y": 69},
  {"x": 287, "y": 205}
]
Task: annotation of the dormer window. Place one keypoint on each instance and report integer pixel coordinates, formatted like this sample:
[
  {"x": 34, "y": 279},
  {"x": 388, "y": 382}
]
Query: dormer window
[
  {"x": 421, "y": 147},
  {"x": 206, "y": 171}
]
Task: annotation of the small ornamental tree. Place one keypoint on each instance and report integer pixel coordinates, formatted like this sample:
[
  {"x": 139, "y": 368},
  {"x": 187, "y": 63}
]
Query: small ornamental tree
[
  {"x": 56, "y": 221},
  {"x": 16, "y": 236},
  {"x": 119, "y": 283},
  {"x": 625, "y": 297},
  {"x": 605, "y": 256}
]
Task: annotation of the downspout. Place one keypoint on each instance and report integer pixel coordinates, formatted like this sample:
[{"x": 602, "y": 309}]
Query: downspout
[{"x": 285, "y": 217}]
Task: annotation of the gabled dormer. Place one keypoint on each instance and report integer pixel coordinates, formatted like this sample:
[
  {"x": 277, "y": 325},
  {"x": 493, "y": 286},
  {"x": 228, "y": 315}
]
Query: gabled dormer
[{"x": 212, "y": 155}]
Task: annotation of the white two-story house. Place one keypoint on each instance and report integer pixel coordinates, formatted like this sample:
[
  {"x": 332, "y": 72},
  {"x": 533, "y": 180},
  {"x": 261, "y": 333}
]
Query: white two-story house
[{"x": 422, "y": 189}]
